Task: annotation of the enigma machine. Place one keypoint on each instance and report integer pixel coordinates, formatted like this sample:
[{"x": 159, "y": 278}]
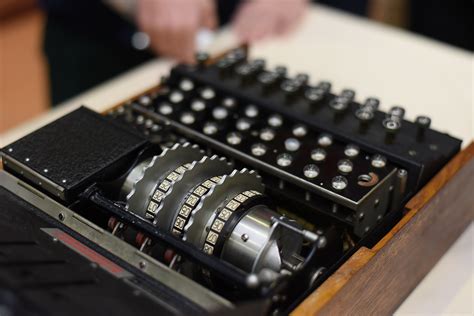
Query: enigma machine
[{"x": 230, "y": 188}]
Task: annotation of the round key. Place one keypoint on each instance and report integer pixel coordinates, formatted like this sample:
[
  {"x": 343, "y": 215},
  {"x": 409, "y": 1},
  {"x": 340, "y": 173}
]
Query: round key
[
  {"x": 208, "y": 93},
  {"x": 198, "y": 105},
  {"x": 379, "y": 161},
  {"x": 234, "y": 138},
  {"x": 251, "y": 111},
  {"x": 220, "y": 113},
  {"x": 186, "y": 85},
  {"x": 345, "y": 166},
  {"x": 318, "y": 154},
  {"x": 311, "y": 171},
  {"x": 339, "y": 183},
  {"x": 292, "y": 144},
  {"x": 165, "y": 109},
  {"x": 187, "y": 118},
  {"x": 229, "y": 102},
  {"x": 284, "y": 160},
  {"x": 145, "y": 100},
  {"x": 275, "y": 120},
  {"x": 325, "y": 140},
  {"x": 243, "y": 124},
  {"x": 267, "y": 134},
  {"x": 258, "y": 149},
  {"x": 210, "y": 128},
  {"x": 351, "y": 151},
  {"x": 176, "y": 97},
  {"x": 300, "y": 130}
]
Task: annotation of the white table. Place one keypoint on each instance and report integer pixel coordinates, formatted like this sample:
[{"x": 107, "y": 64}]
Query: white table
[{"x": 424, "y": 76}]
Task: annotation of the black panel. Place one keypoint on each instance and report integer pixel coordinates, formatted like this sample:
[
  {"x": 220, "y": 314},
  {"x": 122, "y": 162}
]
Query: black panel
[
  {"x": 421, "y": 156},
  {"x": 76, "y": 149}
]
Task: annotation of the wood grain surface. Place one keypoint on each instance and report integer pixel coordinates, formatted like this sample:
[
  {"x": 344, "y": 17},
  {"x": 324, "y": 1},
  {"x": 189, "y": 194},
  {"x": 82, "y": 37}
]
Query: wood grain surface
[{"x": 376, "y": 281}]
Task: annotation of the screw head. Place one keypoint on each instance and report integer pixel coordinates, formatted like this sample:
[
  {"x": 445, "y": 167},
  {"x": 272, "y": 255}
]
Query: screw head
[{"x": 391, "y": 125}]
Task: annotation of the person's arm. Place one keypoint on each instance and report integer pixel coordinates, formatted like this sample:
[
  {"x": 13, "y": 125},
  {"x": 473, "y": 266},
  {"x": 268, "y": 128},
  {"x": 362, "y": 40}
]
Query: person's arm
[
  {"x": 258, "y": 19},
  {"x": 172, "y": 25}
]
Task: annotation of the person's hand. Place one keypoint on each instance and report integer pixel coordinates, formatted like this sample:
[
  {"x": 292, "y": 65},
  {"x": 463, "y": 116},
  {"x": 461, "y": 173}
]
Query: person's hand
[
  {"x": 257, "y": 19},
  {"x": 172, "y": 25}
]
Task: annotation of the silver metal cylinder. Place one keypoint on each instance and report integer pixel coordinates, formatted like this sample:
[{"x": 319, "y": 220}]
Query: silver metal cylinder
[{"x": 247, "y": 246}]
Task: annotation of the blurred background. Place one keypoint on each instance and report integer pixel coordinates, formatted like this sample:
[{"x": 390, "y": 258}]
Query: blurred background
[{"x": 24, "y": 75}]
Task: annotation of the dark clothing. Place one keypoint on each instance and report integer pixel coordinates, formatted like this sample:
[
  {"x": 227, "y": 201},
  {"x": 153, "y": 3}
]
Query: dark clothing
[{"x": 444, "y": 20}]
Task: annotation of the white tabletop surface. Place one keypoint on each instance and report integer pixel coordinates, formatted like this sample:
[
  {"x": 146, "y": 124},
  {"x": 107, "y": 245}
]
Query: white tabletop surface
[{"x": 424, "y": 76}]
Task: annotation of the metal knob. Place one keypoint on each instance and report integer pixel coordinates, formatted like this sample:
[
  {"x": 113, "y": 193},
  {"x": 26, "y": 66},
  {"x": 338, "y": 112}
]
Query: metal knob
[
  {"x": 325, "y": 85},
  {"x": 364, "y": 115},
  {"x": 237, "y": 55},
  {"x": 391, "y": 125},
  {"x": 281, "y": 71},
  {"x": 302, "y": 78},
  {"x": 314, "y": 95},
  {"x": 290, "y": 87},
  {"x": 268, "y": 80},
  {"x": 371, "y": 104},
  {"x": 258, "y": 64},
  {"x": 201, "y": 58},
  {"x": 348, "y": 94},
  {"x": 397, "y": 112},
  {"x": 339, "y": 104},
  {"x": 225, "y": 65},
  {"x": 423, "y": 123},
  {"x": 246, "y": 72}
]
